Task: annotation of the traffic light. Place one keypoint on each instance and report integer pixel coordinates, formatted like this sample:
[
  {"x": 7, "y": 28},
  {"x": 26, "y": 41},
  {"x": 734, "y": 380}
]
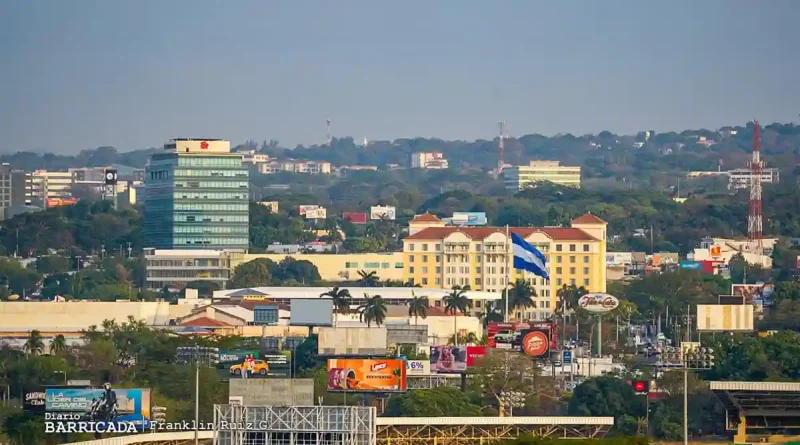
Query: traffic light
[{"x": 640, "y": 386}]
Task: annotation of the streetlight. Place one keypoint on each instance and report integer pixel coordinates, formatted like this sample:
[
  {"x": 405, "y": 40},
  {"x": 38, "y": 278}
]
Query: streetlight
[
  {"x": 511, "y": 399},
  {"x": 65, "y": 375},
  {"x": 689, "y": 358}
]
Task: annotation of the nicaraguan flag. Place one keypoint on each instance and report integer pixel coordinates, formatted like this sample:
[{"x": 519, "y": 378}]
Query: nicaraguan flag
[{"x": 527, "y": 257}]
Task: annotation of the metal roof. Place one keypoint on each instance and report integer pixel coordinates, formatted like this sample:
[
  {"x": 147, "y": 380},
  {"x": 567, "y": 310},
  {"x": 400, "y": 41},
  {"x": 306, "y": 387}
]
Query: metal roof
[
  {"x": 517, "y": 420},
  {"x": 755, "y": 386},
  {"x": 760, "y": 399}
]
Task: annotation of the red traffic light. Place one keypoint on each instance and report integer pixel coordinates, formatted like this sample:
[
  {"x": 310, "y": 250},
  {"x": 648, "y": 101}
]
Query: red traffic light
[{"x": 639, "y": 386}]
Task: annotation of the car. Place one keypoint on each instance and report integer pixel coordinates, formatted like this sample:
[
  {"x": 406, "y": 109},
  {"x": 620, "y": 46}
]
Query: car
[
  {"x": 259, "y": 367},
  {"x": 505, "y": 337}
]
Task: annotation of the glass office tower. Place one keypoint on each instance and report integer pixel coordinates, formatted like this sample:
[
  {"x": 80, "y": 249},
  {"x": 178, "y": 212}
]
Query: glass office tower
[{"x": 196, "y": 197}]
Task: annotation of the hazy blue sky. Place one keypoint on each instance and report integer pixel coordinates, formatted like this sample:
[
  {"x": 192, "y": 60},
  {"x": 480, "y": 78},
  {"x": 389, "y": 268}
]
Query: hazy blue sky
[{"x": 78, "y": 74}]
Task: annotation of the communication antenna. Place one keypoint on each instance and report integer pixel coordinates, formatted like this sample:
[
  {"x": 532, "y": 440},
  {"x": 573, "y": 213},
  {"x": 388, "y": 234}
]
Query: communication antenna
[
  {"x": 755, "y": 225},
  {"x": 328, "y": 125},
  {"x": 501, "y": 125}
]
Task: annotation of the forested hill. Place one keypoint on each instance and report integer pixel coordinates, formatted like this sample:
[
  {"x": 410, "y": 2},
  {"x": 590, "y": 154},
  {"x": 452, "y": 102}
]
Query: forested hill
[{"x": 604, "y": 155}]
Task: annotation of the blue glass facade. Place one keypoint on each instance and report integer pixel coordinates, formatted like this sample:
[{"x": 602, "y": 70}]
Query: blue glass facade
[{"x": 196, "y": 201}]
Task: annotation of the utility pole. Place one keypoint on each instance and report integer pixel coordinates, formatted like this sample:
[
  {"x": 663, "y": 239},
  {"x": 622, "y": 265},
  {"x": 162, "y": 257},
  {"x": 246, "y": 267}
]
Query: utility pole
[{"x": 196, "y": 394}]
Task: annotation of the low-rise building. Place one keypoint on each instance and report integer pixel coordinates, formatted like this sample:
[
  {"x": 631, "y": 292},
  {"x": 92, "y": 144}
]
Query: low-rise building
[
  {"x": 343, "y": 266},
  {"x": 428, "y": 160},
  {"x": 295, "y": 166},
  {"x": 521, "y": 176},
  {"x": 740, "y": 178},
  {"x": 176, "y": 268}
]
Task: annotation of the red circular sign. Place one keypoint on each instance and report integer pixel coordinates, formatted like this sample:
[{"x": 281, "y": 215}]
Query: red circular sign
[
  {"x": 639, "y": 386},
  {"x": 204, "y": 145},
  {"x": 535, "y": 343}
]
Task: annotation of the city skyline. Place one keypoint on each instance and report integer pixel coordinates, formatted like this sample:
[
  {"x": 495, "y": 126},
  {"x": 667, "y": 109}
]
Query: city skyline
[{"x": 79, "y": 77}]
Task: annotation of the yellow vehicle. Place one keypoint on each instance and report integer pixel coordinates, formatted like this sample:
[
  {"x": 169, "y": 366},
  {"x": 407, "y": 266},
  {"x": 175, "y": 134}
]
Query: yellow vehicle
[{"x": 259, "y": 367}]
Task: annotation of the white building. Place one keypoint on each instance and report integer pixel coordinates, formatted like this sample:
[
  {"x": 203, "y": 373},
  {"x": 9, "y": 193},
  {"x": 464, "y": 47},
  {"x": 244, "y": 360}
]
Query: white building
[
  {"x": 428, "y": 160},
  {"x": 740, "y": 178},
  {"x": 175, "y": 268},
  {"x": 520, "y": 176},
  {"x": 294, "y": 166}
]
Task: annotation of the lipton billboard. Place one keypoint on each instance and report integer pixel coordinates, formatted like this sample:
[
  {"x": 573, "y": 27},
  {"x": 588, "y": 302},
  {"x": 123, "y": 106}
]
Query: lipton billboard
[{"x": 367, "y": 375}]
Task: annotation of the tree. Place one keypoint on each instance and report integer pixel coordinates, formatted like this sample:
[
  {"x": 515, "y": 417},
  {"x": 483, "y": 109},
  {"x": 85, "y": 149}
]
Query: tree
[
  {"x": 58, "y": 345},
  {"x": 609, "y": 397},
  {"x": 437, "y": 402},
  {"x": 520, "y": 295},
  {"x": 417, "y": 307},
  {"x": 373, "y": 310},
  {"x": 253, "y": 273},
  {"x": 341, "y": 300},
  {"x": 368, "y": 279},
  {"x": 454, "y": 302},
  {"x": 502, "y": 371},
  {"x": 34, "y": 344}
]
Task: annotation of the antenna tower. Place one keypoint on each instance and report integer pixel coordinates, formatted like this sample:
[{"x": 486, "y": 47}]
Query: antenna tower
[
  {"x": 755, "y": 224},
  {"x": 328, "y": 125},
  {"x": 501, "y": 125}
]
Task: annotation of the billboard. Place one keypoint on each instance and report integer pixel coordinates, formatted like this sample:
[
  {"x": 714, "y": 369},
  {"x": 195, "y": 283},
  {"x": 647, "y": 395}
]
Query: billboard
[
  {"x": 691, "y": 265},
  {"x": 418, "y": 367},
  {"x": 318, "y": 213},
  {"x": 34, "y": 400},
  {"x": 619, "y": 258},
  {"x": 535, "y": 342},
  {"x": 355, "y": 218},
  {"x": 475, "y": 353},
  {"x": 383, "y": 212},
  {"x": 724, "y": 317},
  {"x": 469, "y": 218},
  {"x": 366, "y": 375},
  {"x": 759, "y": 294},
  {"x": 446, "y": 359},
  {"x": 90, "y": 404},
  {"x": 273, "y": 392},
  {"x": 303, "y": 209},
  {"x": 56, "y": 202},
  {"x": 598, "y": 303},
  {"x": 510, "y": 334},
  {"x": 352, "y": 341},
  {"x": 308, "y": 312}
]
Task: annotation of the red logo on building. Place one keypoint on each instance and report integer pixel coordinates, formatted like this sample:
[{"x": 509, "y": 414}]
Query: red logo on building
[{"x": 204, "y": 145}]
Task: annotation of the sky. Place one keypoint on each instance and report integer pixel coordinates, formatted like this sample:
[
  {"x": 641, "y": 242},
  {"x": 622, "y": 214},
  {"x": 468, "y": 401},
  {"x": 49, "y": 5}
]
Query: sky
[{"x": 132, "y": 74}]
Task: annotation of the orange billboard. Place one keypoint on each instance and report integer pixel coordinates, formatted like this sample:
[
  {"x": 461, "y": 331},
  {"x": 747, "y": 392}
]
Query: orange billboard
[
  {"x": 57, "y": 202},
  {"x": 366, "y": 375}
]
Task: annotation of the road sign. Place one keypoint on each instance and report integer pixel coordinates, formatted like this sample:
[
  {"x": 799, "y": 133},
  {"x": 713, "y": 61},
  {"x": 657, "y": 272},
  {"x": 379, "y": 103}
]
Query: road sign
[{"x": 566, "y": 357}]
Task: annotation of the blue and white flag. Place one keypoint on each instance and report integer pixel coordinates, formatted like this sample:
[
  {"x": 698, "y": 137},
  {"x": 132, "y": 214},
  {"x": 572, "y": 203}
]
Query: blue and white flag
[{"x": 527, "y": 257}]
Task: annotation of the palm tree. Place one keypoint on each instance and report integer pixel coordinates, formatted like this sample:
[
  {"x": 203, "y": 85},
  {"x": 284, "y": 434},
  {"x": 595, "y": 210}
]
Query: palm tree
[
  {"x": 341, "y": 300},
  {"x": 373, "y": 310},
  {"x": 520, "y": 295},
  {"x": 368, "y": 279},
  {"x": 491, "y": 316},
  {"x": 417, "y": 307},
  {"x": 58, "y": 345},
  {"x": 454, "y": 302},
  {"x": 34, "y": 345}
]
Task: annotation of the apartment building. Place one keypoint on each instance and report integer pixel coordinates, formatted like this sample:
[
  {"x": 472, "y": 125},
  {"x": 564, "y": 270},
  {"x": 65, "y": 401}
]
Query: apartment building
[
  {"x": 480, "y": 257},
  {"x": 521, "y": 176},
  {"x": 428, "y": 160},
  {"x": 740, "y": 178}
]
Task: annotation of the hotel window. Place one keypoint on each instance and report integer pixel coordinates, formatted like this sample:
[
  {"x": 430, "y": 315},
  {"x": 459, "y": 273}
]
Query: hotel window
[
  {"x": 438, "y": 281},
  {"x": 424, "y": 281},
  {"x": 585, "y": 247},
  {"x": 438, "y": 269},
  {"x": 424, "y": 269},
  {"x": 438, "y": 247},
  {"x": 411, "y": 269},
  {"x": 586, "y": 271},
  {"x": 585, "y": 281},
  {"x": 572, "y": 271},
  {"x": 572, "y": 247},
  {"x": 558, "y": 282},
  {"x": 477, "y": 270},
  {"x": 398, "y": 265},
  {"x": 477, "y": 247},
  {"x": 425, "y": 247},
  {"x": 572, "y": 281},
  {"x": 558, "y": 258},
  {"x": 411, "y": 258},
  {"x": 558, "y": 270},
  {"x": 586, "y": 258},
  {"x": 411, "y": 246},
  {"x": 384, "y": 265},
  {"x": 438, "y": 258},
  {"x": 572, "y": 259},
  {"x": 351, "y": 265},
  {"x": 477, "y": 281},
  {"x": 558, "y": 247},
  {"x": 424, "y": 258}
]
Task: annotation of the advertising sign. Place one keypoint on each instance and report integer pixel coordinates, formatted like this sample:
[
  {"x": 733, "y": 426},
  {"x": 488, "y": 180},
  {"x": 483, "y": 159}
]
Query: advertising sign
[
  {"x": 619, "y": 258},
  {"x": 418, "y": 367},
  {"x": 355, "y": 218},
  {"x": 367, "y": 375},
  {"x": 509, "y": 335},
  {"x": 382, "y": 212},
  {"x": 691, "y": 265},
  {"x": 535, "y": 343},
  {"x": 566, "y": 357},
  {"x": 56, "y": 202},
  {"x": 475, "y": 353},
  {"x": 724, "y": 317},
  {"x": 97, "y": 405},
  {"x": 280, "y": 364},
  {"x": 445, "y": 359},
  {"x": 303, "y": 209},
  {"x": 235, "y": 357},
  {"x": 318, "y": 213},
  {"x": 598, "y": 303},
  {"x": 34, "y": 400},
  {"x": 469, "y": 218},
  {"x": 760, "y": 294}
]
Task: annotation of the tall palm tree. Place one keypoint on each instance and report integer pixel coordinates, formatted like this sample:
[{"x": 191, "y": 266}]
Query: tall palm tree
[
  {"x": 341, "y": 300},
  {"x": 58, "y": 345},
  {"x": 417, "y": 307},
  {"x": 373, "y": 310},
  {"x": 520, "y": 295},
  {"x": 368, "y": 279},
  {"x": 454, "y": 302},
  {"x": 34, "y": 345}
]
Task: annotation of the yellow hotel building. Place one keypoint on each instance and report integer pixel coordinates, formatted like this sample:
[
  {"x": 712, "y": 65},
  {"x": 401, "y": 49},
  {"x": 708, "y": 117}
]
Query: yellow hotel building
[{"x": 442, "y": 257}]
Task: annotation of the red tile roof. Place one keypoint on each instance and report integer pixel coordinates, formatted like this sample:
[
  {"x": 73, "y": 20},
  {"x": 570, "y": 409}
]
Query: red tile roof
[
  {"x": 426, "y": 217},
  {"x": 204, "y": 322},
  {"x": 479, "y": 233},
  {"x": 588, "y": 218}
]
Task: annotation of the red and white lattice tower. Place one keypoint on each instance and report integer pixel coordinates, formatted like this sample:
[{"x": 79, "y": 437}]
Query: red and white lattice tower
[
  {"x": 501, "y": 148},
  {"x": 755, "y": 224}
]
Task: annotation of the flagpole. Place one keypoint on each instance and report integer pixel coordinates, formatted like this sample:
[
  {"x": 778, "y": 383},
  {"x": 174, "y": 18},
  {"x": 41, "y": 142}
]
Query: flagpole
[{"x": 508, "y": 266}]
